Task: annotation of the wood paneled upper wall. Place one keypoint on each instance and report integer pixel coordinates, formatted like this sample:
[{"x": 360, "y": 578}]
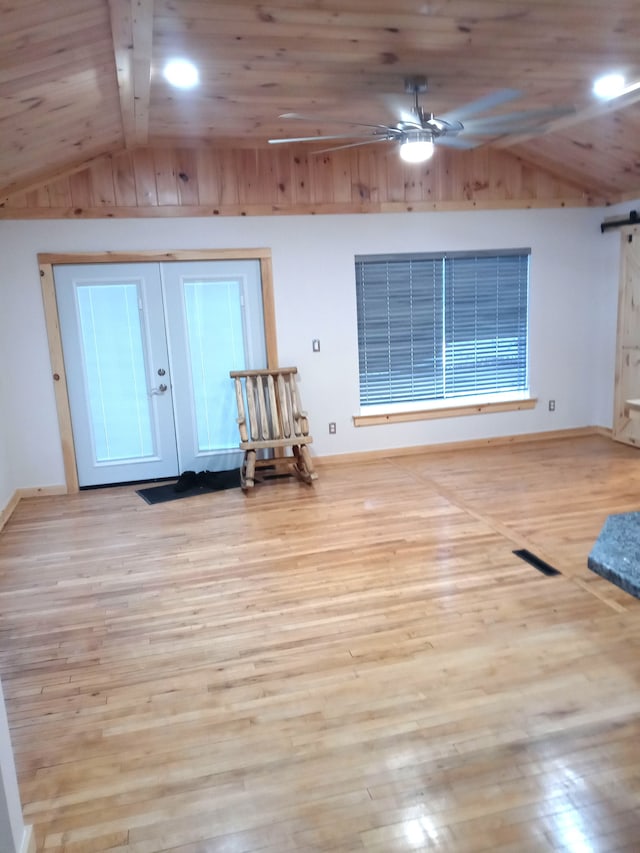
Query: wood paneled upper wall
[{"x": 227, "y": 181}]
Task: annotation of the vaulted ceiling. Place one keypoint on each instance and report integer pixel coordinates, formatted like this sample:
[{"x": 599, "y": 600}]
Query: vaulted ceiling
[{"x": 80, "y": 78}]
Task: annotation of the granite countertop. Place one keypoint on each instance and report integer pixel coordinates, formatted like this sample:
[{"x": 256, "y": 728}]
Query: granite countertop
[{"x": 616, "y": 553}]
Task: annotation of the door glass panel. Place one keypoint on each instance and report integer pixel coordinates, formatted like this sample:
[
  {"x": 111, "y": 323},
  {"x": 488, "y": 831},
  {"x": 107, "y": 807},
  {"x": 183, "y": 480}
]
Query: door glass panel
[
  {"x": 215, "y": 339},
  {"x": 115, "y": 374}
]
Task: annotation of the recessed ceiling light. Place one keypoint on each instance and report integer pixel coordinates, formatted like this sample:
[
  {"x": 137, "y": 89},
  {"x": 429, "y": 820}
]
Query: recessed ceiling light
[
  {"x": 609, "y": 86},
  {"x": 181, "y": 73}
]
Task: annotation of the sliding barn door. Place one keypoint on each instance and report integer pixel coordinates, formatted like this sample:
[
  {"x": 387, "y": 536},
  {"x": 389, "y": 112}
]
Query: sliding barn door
[{"x": 626, "y": 419}]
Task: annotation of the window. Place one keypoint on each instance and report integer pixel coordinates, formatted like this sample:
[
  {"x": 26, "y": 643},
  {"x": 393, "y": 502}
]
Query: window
[{"x": 441, "y": 327}]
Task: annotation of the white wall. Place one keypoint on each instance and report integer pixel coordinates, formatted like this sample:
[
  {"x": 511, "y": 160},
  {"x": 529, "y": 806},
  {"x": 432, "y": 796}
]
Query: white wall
[
  {"x": 574, "y": 278},
  {"x": 7, "y": 478},
  {"x": 7, "y": 484}
]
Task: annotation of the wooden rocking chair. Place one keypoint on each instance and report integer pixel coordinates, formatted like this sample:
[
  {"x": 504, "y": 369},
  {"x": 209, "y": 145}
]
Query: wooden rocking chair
[{"x": 270, "y": 418}]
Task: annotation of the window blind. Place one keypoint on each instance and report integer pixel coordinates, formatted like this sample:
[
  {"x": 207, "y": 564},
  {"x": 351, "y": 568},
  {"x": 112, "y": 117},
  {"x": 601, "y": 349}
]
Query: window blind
[{"x": 439, "y": 326}]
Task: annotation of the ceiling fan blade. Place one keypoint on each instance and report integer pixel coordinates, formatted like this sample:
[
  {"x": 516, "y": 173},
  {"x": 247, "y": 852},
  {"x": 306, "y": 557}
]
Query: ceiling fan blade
[
  {"x": 311, "y": 138},
  {"x": 329, "y": 120},
  {"x": 352, "y": 145},
  {"x": 459, "y": 142},
  {"x": 496, "y": 99},
  {"x": 503, "y": 123}
]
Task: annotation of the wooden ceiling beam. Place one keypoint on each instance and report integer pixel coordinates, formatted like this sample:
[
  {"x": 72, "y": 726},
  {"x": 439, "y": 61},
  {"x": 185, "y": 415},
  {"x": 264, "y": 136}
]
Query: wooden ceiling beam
[
  {"x": 142, "y": 43},
  {"x": 132, "y": 31}
]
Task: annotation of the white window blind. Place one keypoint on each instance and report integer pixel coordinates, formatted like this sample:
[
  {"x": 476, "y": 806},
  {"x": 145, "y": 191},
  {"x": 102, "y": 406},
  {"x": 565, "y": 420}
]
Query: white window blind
[{"x": 434, "y": 327}]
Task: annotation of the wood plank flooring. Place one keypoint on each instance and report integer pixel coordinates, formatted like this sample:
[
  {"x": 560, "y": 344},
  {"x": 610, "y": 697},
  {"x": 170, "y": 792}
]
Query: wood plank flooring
[{"x": 359, "y": 666}]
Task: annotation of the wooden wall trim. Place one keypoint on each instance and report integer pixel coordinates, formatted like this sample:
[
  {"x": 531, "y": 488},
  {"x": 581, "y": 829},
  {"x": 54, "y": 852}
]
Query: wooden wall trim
[
  {"x": 58, "y": 375},
  {"x": 153, "y": 256},
  {"x": 150, "y": 182},
  {"x": 269, "y": 311},
  {"x": 46, "y": 262},
  {"x": 7, "y": 511},
  {"x": 34, "y": 492},
  {"x": 496, "y": 441},
  {"x": 363, "y": 420},
  {"x": 291, "y": 210}
]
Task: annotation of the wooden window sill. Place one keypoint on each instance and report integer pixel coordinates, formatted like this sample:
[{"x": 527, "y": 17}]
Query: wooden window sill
[{"x": 446, "y": 411}]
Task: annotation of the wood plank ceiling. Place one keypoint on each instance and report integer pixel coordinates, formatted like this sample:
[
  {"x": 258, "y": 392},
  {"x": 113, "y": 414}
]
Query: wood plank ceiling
[{"x": 79, "y": 78}]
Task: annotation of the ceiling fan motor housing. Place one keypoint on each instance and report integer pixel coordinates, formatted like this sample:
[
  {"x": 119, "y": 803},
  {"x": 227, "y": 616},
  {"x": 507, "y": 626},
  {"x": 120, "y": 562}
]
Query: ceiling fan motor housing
[
  {"x": 416, "y": 136},
  {"x": 415, "y": 85}
]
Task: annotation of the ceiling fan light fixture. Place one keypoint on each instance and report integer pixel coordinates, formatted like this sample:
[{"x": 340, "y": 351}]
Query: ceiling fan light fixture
[
  {"x": 181, "y": 73},
  {"x": 609, "y": 86},
  {"x": 417, "y": 148}
]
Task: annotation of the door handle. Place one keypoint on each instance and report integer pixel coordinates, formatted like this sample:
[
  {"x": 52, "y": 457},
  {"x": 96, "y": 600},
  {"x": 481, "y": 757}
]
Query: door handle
[{"x": 159, "y": 390}]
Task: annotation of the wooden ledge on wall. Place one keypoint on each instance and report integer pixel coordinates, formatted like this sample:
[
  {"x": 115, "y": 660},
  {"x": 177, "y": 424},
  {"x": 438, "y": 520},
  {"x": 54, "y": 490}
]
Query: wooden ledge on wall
[
  {"x": 202, "y": 211},
  {"x": 443, "y": 412}
]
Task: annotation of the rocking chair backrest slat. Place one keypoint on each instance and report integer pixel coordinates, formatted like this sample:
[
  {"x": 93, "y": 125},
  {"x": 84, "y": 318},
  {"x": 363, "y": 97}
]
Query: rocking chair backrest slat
[
  {"x": 242, "y": 417},
  {"x": 251, "y": 405},
  {"x": 262, "y": 409},
  {"x": 276, "y": 431},
  {"x": 285, "y": 406}
]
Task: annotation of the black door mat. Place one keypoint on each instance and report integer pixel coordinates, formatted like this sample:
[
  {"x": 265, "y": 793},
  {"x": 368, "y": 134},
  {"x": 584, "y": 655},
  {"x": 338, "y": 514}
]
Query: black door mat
[{"x": 216, "y": 481}]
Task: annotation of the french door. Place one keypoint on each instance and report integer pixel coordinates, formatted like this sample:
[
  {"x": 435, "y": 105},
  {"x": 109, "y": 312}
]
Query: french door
[{"x": 147, "y": 350}]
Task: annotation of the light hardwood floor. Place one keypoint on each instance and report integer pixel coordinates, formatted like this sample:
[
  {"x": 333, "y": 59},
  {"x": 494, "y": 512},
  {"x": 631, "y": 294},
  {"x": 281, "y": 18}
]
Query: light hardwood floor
[{"x": 361, "y": 665}]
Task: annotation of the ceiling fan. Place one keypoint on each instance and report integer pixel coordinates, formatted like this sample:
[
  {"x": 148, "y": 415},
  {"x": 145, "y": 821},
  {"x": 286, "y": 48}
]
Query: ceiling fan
[{"x": 418, "y": 131}]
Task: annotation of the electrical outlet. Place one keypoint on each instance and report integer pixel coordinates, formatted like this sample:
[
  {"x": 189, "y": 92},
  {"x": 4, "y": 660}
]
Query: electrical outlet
[
  {"x": 315, "y": 345},
  {"x": 552, "y": 405},
  {"x": 332, "y": 428}
]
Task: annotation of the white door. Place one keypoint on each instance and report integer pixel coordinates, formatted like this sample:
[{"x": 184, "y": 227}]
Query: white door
[
  {"x": 116, "y": 361},
  {"x": 148, "y": 348},
  {"x": 214, "y": 324}
]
